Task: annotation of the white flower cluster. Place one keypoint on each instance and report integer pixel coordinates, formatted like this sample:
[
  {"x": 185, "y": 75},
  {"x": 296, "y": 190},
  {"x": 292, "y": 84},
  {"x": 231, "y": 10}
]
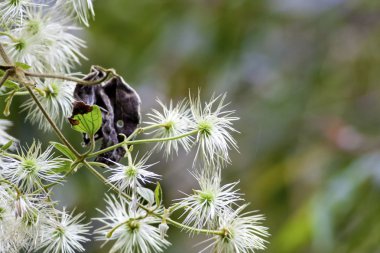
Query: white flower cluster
[
  {"x": 43, "y": 35},
  {"x": 211, "y": 123},
  {"x": 40, "y": 34},
  {"x": 135, "y": 219},
  {"x": 29, "y": 220},
  {"x": 213, "y": 208},
  {"x": 56, "y": 97}
]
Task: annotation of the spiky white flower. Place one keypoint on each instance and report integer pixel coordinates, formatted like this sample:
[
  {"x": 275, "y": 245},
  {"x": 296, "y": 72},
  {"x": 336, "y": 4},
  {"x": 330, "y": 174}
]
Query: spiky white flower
[
  {"x": 56, "y": 99},
  {"x": 45, "y": 41},
  {"x": 204, "y": 206},
  {"x": 83, "y": 9},
  {"x": 133, "y": 175},
  {"x": 20, "y": 221},
  {"x": 13, "y": 11},
  {"x": 13, "y": 235},
  {"x": 31, "y": 168},
  {"x": 214, "y": 126},
  {"x": 65, "y": 234},
  {"x": 133, "y": 231},
  {"x": 4, "y": 136},
  {"x": 174, "y": 121},
  {"x": 242, "y": 233}
]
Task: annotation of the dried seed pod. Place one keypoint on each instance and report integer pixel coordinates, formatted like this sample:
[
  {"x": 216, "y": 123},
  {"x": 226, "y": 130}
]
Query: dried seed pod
[
  {"x": 126, "y": 108},
  {"x": 120, "y": 106}
]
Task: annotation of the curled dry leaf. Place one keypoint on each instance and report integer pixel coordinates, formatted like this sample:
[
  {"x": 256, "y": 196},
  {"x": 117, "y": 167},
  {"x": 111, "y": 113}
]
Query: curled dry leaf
[{"x": 120, "y": 106}]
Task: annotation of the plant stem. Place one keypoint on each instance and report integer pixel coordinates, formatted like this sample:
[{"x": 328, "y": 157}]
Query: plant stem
[
  {"x": 8, "y": 35},
  {"x": 68, "y": 78},
  {"x": 104, "y": 180},
  {"x": 127, "y": 142},
  {"x": 12, "y": 185},
  {"x": 12, "y": 155},
  {"x": 52, "y": 123},
  {"x": 4, "y": 78},
  {"x": 4, "y": 55},
  {"x": 162, "y": 139}
]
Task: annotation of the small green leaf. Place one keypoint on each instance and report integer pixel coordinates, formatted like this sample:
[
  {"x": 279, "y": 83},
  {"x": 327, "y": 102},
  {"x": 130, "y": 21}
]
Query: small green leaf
[
  {"x": 8, "y": 103},
  {"x": 64, "y": 150},
  {"x": 158, "y": 194},
  {"x": 65, "y": 166},
  {"x": 7, "y": 145},
  {"x": 87, "y": 120},
  {"x": 24, "y": 66},
  {"x": 10, "y": 85},
  {"x": 146, "y": 194}
]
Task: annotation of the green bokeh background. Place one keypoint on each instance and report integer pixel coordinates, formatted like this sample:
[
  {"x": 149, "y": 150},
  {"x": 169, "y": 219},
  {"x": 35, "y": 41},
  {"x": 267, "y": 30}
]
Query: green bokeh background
[{"x": 302, "y": 75}]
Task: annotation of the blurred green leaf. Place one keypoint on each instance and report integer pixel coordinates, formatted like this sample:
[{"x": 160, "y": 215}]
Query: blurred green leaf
[
  {"x": 158, "y": 194},
  {"x": 64, "y": 150},
  {"x": 24, "y": 66},
  {"x": 88, "y": 122}
]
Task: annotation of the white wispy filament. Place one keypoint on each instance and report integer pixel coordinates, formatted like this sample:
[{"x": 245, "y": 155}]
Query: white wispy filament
[
  {"x": 132, "y": 231},
  {"x": 33, "y": 167},
  {"x": 56, "y": 98},
  {"x": 205, "y": 205},
  {"x": 242, "y": 233},
  {"x": 214, "y": 126},
  {"x": 174, "y": 121}
]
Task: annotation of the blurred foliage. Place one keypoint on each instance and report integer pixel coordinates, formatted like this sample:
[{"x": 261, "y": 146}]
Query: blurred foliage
[{"x": 302, "y": 75}]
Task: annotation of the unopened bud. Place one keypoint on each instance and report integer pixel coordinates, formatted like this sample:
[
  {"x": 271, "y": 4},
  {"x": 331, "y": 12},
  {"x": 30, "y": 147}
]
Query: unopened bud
[{"x": 163, "y": 228}]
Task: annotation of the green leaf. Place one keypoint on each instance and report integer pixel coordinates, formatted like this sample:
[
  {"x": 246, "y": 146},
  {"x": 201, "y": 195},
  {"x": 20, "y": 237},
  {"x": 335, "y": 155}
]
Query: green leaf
[
  {"x": 64, "y": 150},
  {"x": 7, "y": 145},
  {"x": 24, "y": 66},
  {"x": 10, "y": 85},
  {"x": 158, "y": 194},
  {"x": 88, "y": 119},
  {"x": 8, "y": 102},
  {"x": 146, "y": 194},
  {"x": 65, "y": 166}
]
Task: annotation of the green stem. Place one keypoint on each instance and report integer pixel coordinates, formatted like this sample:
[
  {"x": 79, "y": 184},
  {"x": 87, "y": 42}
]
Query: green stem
[
  {"x": 52, "y": 123},
  {"x": 4, "y": 55},
  {"x": 168, "y": 220},
  {"x": 5, "y": 77},
  {"x": 68, "y": 78},
  {"x": 21, "y": 93},
  {"x": 8, "y": 35},
  {"x": 17, "y": 157},
  {"x": 109, "y": 234},
  {"x": 92, "y": 147},
  {"x": 12, "y": 185},
  {"x": 127, "y": 142},
  {"x": 162, "y": 139},
  {"x": 104, "y": 180}
]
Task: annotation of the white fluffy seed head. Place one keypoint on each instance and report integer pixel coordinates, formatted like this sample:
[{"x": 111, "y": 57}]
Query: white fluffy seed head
[
  {"x": 45, "y": 41},
  {"x": 32, "y": 168},
  {"x": 134, "y": 174},
  {"x": 56, "y": 97},
  {"x": 65, "y": 233},
  {"x": 214, "y": 125},
  {"x": 241, "y": 233},
  {"x": 13, "y": 12},
  {"x": 131, "y": 230},
  {"x": 174, "y": 121},
  {"x": 206, "y": 204}
]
